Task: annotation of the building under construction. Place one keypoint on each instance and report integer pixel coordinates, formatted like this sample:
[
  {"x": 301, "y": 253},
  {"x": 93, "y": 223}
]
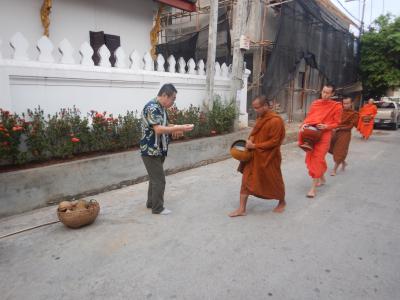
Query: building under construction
[{"x": 296, "y": 46}]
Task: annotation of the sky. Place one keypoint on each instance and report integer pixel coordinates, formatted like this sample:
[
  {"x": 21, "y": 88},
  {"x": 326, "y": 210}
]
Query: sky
[{"x": 373, "y": 9}]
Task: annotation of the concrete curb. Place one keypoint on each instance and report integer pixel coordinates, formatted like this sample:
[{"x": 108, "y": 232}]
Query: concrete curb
[{"x": 25, "y": 190}]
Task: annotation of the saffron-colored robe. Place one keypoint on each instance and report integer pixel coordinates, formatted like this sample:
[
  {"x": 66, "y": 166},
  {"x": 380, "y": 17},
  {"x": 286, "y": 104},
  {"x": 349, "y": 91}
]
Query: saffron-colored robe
[
  {"x": 262, "y": 176},
  {"x": 341, "y": 138},
  {"x": 366, "y": 128},
  {"x": 326, "y": 112}
]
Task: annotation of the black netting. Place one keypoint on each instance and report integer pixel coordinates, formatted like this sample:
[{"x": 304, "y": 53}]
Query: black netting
[
  {"x": 195, "y": 45},
  {"x": 307, "y": 32},
  {"x": 184, "y": 46}
]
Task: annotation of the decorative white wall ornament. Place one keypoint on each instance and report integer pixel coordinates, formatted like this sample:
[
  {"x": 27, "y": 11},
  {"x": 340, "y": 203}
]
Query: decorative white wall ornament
[
  {"x": 86, "y": 53},
  {"x": 20, "y": 45},
  {"x": 67, "y": 51},
  {"x": 160, "y": 63},
  {"x": 45, "y": 48},
  {"x": 104, "y": 54},
  {"x": 120, "y": 58},
  {"x": 171, "y": 64},
  {"x": 148, "y": 62},
  {"x": 224, "y": 70},
  {"x": 136, "y": 62},
  {"x": 201, "y": 68},
  {"x": 182, "y": 65},
  {"x": 191, "y": 66},
  {"x": 217, "y": 69}
]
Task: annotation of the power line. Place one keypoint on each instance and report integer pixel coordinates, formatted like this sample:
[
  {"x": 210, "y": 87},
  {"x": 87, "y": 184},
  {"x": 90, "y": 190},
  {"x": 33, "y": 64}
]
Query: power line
[{"x": 340, "y": 3}]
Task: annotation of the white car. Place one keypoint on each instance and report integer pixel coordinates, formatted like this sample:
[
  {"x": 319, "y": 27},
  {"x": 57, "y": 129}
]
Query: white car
[{"x": 388, "y": 114}]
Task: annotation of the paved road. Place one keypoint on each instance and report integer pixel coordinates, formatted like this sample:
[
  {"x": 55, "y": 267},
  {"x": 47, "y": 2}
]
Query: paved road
[{"x": 342, "y": 245}]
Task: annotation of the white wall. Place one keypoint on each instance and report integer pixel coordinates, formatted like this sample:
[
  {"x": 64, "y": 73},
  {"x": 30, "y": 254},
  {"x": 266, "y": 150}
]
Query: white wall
[
  {"x": 73, "y": 19},
  {"x": 27, "y": 83},
  {"x": 112, "y": 90}
]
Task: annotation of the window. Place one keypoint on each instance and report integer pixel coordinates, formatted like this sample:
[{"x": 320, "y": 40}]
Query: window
[{"x": 385, "y": 105}]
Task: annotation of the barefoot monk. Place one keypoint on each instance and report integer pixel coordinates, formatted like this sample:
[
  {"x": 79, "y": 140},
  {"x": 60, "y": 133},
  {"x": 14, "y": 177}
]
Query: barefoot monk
[
  {"x": 262, "y": 176},
  {"x": 366, "y": 120},
  {"x": 325, "y": 115},
  {"x": 342, "y": 135}
]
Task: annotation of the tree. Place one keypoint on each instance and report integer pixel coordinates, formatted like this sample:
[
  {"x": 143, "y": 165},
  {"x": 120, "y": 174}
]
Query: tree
[{"x": 380, "y": 56}]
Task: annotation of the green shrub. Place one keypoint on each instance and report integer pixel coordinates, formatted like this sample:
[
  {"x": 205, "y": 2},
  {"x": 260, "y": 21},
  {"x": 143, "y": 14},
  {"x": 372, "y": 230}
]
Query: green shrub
[
  {"x": 222, "y": 116},
  {"x": 36, "y": 137}
]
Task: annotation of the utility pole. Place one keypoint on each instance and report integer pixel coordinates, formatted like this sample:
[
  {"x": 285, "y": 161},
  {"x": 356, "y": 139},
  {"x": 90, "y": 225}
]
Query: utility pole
[
  {"x": 258, "y": 12},
  {"x": 212, "y": 46},
  {"x": 238, "y": 55},
  {"x": 362, "y": 19}
]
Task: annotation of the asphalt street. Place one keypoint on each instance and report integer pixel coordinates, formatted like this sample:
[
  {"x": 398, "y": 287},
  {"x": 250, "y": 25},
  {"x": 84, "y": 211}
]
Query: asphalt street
[{"x": 343, "y": 244}]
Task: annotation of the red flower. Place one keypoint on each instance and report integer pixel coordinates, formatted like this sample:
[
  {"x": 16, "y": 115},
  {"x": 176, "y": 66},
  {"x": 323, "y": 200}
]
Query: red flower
[
  {"x": 75, "y": 140},
  {"x": 99, "y": 115},
  {"x": 17, "y": 128},
  {"x": 213, "y": 132}
]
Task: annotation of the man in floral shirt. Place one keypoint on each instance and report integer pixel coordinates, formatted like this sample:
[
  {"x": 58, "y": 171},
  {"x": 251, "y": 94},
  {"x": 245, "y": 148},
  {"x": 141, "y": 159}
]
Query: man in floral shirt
[{"x": 154, "y": 144}]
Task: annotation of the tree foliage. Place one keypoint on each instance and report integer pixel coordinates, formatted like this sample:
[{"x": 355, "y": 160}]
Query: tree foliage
[{"x": 380, "y": 56}]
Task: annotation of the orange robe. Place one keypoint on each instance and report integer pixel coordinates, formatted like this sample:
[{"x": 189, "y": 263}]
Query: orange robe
[
  {"x": 341, "y": 138},
  {"x": 366, "y": 128},
  {"x": 262, "y": 176},
  {"x": 321, "y": 112}
]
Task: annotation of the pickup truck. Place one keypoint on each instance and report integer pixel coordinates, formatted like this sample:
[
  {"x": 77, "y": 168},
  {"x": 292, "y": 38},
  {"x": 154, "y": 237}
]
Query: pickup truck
[{"x": 388, "y": 114}]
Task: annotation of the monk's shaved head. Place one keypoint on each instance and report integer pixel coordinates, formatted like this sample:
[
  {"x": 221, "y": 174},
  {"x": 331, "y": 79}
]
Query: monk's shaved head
[
  {"x": 327, "y": 91},
  {"x": 347, "y": 102},
  {"x": 371, "y": 101},
  {"x": 261, "y": 99},
  {"x": 260, "y": 105}
]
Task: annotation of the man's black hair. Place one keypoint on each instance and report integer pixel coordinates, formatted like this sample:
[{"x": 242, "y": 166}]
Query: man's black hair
[{"x": 167, "y": 89}]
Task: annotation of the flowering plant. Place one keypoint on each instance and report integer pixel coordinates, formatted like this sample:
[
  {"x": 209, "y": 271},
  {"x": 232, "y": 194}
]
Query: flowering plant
[{"x": 65, "y": 134}]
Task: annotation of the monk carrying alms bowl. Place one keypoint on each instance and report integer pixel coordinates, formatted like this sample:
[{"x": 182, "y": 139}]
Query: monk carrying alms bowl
[{"x": 310, "y": 135}]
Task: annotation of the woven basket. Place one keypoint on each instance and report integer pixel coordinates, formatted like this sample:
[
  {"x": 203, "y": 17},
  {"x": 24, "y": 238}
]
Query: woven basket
[{"x": 79, "y": 218}]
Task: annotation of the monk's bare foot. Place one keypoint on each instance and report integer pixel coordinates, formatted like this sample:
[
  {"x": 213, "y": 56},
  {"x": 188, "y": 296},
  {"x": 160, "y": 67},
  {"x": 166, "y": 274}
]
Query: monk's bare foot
[
  {"x": 280, "y": 208},
  {"x": 237, "y": 213},
  {"x": 311, "y": 194},
  {"x": 344, "y": 165},
  {"x": 333, "y": 173}
]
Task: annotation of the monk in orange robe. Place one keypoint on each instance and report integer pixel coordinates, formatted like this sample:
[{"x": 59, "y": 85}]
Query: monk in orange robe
[
  {"x": 325, "y": 115},
  {"x": 366, "y": 127},
  {"x": 262, "y": 176},
  {"x": 342, "y": 135}
]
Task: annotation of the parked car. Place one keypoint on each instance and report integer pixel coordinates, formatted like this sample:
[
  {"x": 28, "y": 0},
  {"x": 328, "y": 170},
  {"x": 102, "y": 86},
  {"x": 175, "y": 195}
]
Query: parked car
[{"x": 388, "y": 114}]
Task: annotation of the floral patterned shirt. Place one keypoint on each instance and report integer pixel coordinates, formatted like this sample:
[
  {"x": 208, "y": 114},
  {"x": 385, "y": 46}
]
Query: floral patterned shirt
[{"x": 151, "y": 144}]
